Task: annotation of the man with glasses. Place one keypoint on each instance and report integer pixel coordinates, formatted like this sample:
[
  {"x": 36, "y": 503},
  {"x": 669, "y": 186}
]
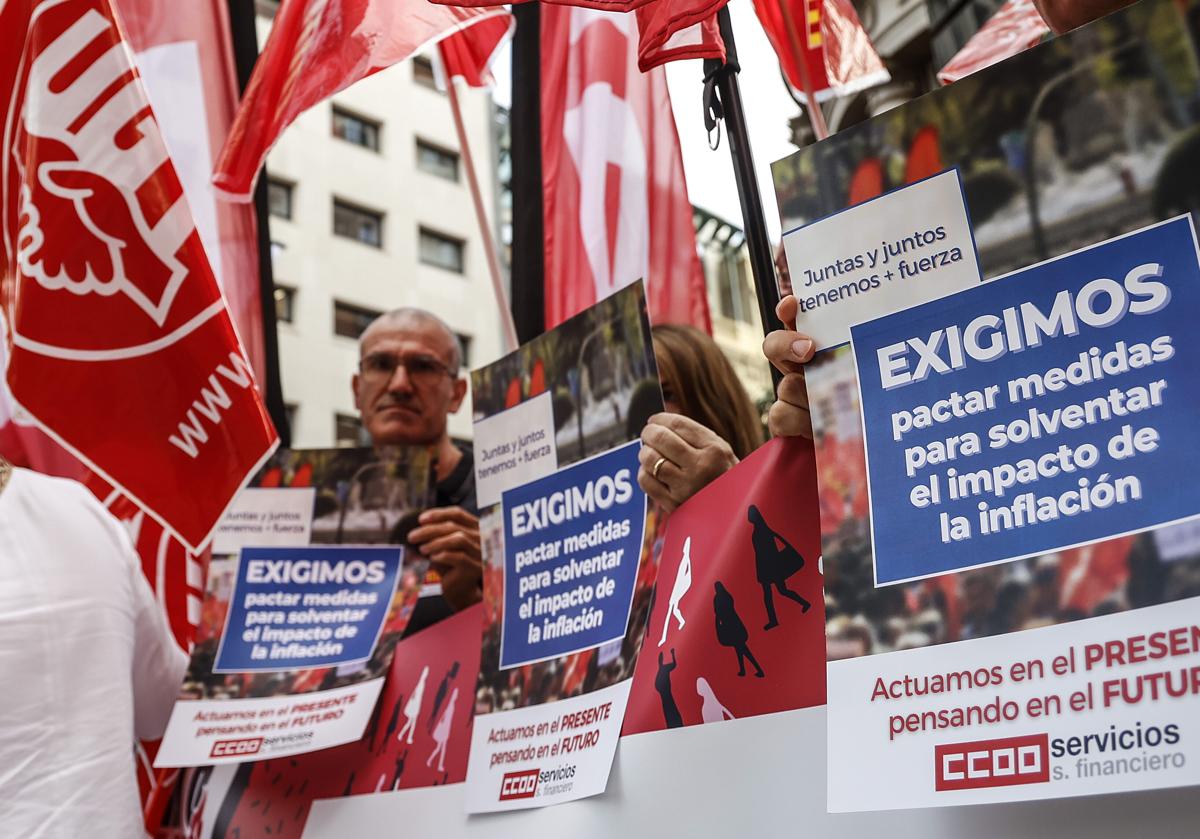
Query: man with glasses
[{"x": 408, "y": 382}]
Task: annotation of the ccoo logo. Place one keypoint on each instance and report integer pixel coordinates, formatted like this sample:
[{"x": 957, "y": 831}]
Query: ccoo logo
[
  {"x": 516, "y": 785},
  {"x": 992, "y": 763},
  {"x": 236, "y": 748}
]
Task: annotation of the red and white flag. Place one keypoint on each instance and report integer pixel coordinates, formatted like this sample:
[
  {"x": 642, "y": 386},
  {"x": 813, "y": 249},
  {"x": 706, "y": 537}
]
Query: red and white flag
[
  {"x": 615, "y": 207},
  {"x": 672, "y": 30},
  {"x": 838, "y": 55},
  {"x": 119, "y": 343},
  {"x": 468, "y": 54},
  {"x": 1015, "y": 27},
  {"x": 668, "y": 30},
  {"x": 184, "y": 55},
  {"x": 316, "y": 48}
]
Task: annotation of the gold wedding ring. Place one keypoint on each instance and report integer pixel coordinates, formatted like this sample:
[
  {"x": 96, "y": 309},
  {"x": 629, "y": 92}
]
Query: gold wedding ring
[{"x": 657, "y": 465}]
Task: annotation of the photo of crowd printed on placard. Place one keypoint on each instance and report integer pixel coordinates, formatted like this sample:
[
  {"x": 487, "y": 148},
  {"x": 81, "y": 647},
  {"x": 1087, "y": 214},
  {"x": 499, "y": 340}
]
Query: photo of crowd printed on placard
[
  {"x": 568, "y": 551},
  {"x": 338, "y": 496},
  {"x": 1069, "y": 144},
  {"x": 341, "y": 496},
  {"x": 597, "y": 378},
  {"x": 308, "y": 593}
]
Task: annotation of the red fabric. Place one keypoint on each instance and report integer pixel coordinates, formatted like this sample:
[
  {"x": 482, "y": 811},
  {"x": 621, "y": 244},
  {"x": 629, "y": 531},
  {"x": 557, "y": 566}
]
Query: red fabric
[
  {"x": 1015, "y": 27},
  {"x": 108, "y": 295},
  {"x": 838, "y": 54},
  {"x": 615, "y": 202},
  {"x": 779, "y": 480},
  {"x": 468, "y": 54},
  {"x": 669, "y": 30},
  {"x": 316, "y": 48},
  {"x": 924, "y": 156},
  {"x": 866, "y": 182},
  {"x": 1090, "y": 575},
  {"x": 672, "y": 30},
  {"x": 185, "y": 56}
]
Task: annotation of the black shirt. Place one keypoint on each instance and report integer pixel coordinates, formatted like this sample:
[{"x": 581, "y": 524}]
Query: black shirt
[
  {"x": 458, "y": 488},
  {"x": 455, "y": 490}
]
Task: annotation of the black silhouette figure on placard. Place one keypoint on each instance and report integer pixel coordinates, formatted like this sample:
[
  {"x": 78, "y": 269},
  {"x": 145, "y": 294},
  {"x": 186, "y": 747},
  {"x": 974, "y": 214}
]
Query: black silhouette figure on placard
[
  {"x": 774, "y": 564},
  {"x": 440, "y": 696},
  {"x": 349, "y": 785},
  {"x": 393, "y": 723},
  {"x": 403, "y": 756},
  {"x": 373, "y": 725},
  {"x": 731, "y": 632},
  {"x": 662, "y": 684}
]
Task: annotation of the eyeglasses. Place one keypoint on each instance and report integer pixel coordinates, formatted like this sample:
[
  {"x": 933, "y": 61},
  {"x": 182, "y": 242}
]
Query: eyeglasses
[{"x": 420, "y": 369}]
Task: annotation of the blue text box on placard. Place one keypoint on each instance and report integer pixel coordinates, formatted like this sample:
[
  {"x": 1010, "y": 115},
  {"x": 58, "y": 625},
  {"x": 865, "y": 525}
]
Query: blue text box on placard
[
  {"x": 298, "y": 608},
  {"x": 572, "y": 543},
  {"x": 1051, "y": 408}
]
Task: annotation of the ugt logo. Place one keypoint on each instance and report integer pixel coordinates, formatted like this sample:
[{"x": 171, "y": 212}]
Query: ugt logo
[
  {"x": 519, "y": 785},
  {"x": 93, "y": 209}
]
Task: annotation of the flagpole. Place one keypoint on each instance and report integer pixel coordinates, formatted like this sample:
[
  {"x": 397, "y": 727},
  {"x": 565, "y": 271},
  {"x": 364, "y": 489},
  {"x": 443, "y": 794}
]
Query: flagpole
[
  {"x": 528, "y": 270},
  {"x": 730, "y": 109},
  {"x": 485, "y": 230},
  {"x": 244, "y": 38},
  {"x": 816, "y": 116}
]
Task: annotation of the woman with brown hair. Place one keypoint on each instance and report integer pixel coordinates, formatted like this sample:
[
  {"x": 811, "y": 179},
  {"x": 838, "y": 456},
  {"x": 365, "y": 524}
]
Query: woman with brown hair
[{"x": 709, "y": 425}]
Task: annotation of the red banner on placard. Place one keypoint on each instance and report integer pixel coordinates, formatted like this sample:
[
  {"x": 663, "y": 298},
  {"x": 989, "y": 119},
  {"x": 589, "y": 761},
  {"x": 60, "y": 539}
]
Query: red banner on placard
[
  {"x": 737, "y": 628},
  {"x": 119, "y": 342}
]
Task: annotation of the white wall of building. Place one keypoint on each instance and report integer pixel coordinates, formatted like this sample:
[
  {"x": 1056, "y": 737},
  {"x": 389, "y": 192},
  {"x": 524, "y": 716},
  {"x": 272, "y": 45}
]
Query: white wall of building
[{"x": 322, "y": 267}]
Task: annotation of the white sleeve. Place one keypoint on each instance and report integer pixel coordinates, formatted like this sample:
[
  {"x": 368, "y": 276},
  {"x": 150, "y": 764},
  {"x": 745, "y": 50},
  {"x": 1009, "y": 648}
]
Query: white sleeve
[{"x": 158, "y": 663}]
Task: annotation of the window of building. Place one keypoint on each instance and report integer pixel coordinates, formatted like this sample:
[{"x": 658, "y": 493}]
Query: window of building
[
  {"x": 279, "y": 198},
  {"x": 285, "y": 302},
  {"x": 358, "y": 223},
  {"x": 464, "y": 341},
  {"x": 437, "y": 161},
  {"x": 349, "y": 320},
  {"x": 423, "y": 71},
  {"x": 356, "y": 129},
  {"x": 348, "y": 430},
  {"x": 441, "y": 251}
]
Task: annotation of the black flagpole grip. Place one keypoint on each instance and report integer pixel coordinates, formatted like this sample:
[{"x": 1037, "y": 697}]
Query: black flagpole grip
[{"x": 723, "y": 101}]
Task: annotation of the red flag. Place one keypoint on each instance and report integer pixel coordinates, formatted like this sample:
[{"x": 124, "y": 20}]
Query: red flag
[
  {"x": 184, "y": 55},
  {"x": 1015, "y": 27},
  {"x": 468, "y": 54},
  {"x": 316, "y": 48},
  {"x": 616, "y": 206},
  {"x": 668, "y": 30},
  {"x": 119, "y": 342},
  {"x": 663, "y": 36},
  {"x": 837, "y": 52}
]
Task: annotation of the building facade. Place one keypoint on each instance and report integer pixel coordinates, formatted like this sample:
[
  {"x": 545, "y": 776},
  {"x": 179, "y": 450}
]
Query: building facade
[
  {"x": 733, "y": 302},
  {"x": 369, "y": 211}
]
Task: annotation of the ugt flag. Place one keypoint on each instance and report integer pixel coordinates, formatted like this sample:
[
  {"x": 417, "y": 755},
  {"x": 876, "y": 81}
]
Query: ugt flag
[{"x": 119, "y": 344}]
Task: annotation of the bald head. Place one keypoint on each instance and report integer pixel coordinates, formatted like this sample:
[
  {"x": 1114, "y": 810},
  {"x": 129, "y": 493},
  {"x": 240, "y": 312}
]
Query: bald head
[
  {"x": 408, "y": 379},
  {"x": 409, "y": 318}
]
